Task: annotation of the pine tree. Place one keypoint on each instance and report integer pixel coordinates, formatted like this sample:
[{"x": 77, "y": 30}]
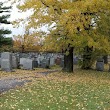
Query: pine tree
[{"x": 3, "y": 20}]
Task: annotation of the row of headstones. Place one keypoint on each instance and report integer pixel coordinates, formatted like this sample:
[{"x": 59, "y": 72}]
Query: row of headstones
[
  {"x": 8, "y": 61},
  {"x": 99, "y": 63},
  {"x": 42, "y": 55},
  {"x": 43, "y": 60}
]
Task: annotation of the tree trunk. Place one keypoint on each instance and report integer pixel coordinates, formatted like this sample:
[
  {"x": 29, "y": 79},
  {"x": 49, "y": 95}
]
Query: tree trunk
[
  {"x": 68, "y": 61},
  {"x": 22, "y": 48},
  {"x": 87, "y": 56}
]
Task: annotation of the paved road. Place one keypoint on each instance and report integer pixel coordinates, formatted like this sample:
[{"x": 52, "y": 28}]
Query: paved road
[{"x": 6, "y": 84}]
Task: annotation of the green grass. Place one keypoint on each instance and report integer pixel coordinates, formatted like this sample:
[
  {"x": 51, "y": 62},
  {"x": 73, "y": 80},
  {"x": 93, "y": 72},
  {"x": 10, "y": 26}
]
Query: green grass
[{"x": 81, "y": 90}]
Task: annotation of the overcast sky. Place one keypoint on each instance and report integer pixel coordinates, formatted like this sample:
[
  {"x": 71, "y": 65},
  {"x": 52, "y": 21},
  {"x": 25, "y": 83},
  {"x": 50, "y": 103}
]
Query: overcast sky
[{"x": 15, "y": 15}]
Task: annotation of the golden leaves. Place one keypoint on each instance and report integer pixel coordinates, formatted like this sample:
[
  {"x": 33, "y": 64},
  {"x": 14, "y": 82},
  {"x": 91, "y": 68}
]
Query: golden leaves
[
  {"x": 30, "y": 42},
  {"x": 73, "y": 21}
]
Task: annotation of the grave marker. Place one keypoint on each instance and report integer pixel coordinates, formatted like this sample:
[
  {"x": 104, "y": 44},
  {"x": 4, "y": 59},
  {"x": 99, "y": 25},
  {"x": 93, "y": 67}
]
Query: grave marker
[
  {"x": 6, "y": 61},
  {"x": 100, "y": 64}
]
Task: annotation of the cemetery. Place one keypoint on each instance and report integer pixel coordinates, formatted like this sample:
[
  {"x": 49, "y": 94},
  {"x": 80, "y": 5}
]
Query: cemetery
[
  {"x": 29, "y": 61},
  {"x": 28, "y": 77},
  {"x": 55, "y": 55}
]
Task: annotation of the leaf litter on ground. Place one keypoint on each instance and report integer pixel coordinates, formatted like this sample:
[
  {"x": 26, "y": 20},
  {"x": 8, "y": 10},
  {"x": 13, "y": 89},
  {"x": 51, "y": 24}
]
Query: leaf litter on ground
[{"x": 81, "y": 90}]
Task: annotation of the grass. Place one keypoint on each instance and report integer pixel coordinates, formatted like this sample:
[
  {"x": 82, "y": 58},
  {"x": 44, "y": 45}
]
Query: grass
[{"x": 81, "y": 90}]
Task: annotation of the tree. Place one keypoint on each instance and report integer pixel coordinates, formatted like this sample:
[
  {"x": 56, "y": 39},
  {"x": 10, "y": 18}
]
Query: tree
[
  {"x": 104, "y": 29},
  {"x": 26, "y": 42},
  {"x": 3, "y": 20},
  {"x": 72, "y": 25}
]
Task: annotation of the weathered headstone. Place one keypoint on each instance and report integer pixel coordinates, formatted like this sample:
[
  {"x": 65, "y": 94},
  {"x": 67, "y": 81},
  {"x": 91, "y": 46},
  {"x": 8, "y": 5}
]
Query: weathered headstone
[
  {"x": 52, "y": 61},
  {"x": 62, "y": 63},
  {"x": 100, "y": 64},
  {"x": 22, "y": 60},
  {"x": 18, "y": 59},
  {"x": 6, "y": 61},
  {"x": 45, "y": 63},
  {"x": 28, "y": 64},
  {"x": 39, "y": 60},
  {"x": 75, "y": 60},
  {"x": 41, "y": 57},
  {"x": 58, "y": 61},
  {"x": 35, "y": 62},
  {"x": 14, "y": 62}
]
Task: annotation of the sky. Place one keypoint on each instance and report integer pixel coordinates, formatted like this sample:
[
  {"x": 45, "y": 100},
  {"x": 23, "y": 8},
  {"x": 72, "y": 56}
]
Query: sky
[{"x": 14, "y": 15}]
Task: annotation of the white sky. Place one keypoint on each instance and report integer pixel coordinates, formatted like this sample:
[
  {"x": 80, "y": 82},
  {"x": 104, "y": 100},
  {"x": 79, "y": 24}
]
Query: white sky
[{"x": 15, "y": 15}]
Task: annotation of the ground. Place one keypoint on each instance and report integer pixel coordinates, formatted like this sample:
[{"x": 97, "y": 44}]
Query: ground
[{"x": 81, "y": 90}]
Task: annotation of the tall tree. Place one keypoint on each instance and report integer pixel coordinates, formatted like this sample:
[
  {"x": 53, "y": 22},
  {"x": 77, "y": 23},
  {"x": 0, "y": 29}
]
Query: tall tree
[
  {"x": 26, "y": 42},
  {"x": 3, "y": 20},
  {"x": 104, "y": 29},
  {"x": 72, "y": 25}
]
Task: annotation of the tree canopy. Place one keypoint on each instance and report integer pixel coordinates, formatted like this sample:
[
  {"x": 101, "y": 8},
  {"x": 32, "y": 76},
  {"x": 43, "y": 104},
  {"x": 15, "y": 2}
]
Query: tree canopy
[
  {"x": 26, "y": 42},
  {"x": 72, "y": 22}
]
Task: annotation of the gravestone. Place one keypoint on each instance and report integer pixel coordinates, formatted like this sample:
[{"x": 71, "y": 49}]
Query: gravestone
[
  {"x": 18, "y": 59},
  {"x": 41, "y": 57},
  {"x": 28, "y": 64},
  {"x": 39, "y": 61},
  {"x": 62, "y": 63},
  {"x": 6, "y": 61},
  {"x": 45, "y": 63},
  {"x": 35, "y": 62},
  {"x": 100, "y": 64},
  {"x": 75, "y": 60},
  {"x": 52, "y": 61},
  {"x": 22, "y": 60},
  {"x": 14, "y": 62},
  {"x": 58, "y": 61}
]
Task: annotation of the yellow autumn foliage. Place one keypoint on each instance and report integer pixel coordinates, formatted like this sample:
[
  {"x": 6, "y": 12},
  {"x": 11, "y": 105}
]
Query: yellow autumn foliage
[{"x": 74, "y": 22}]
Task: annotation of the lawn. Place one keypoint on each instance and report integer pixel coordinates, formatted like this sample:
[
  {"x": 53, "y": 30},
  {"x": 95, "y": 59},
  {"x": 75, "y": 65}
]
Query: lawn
[{"x": 81, "y": 90}]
